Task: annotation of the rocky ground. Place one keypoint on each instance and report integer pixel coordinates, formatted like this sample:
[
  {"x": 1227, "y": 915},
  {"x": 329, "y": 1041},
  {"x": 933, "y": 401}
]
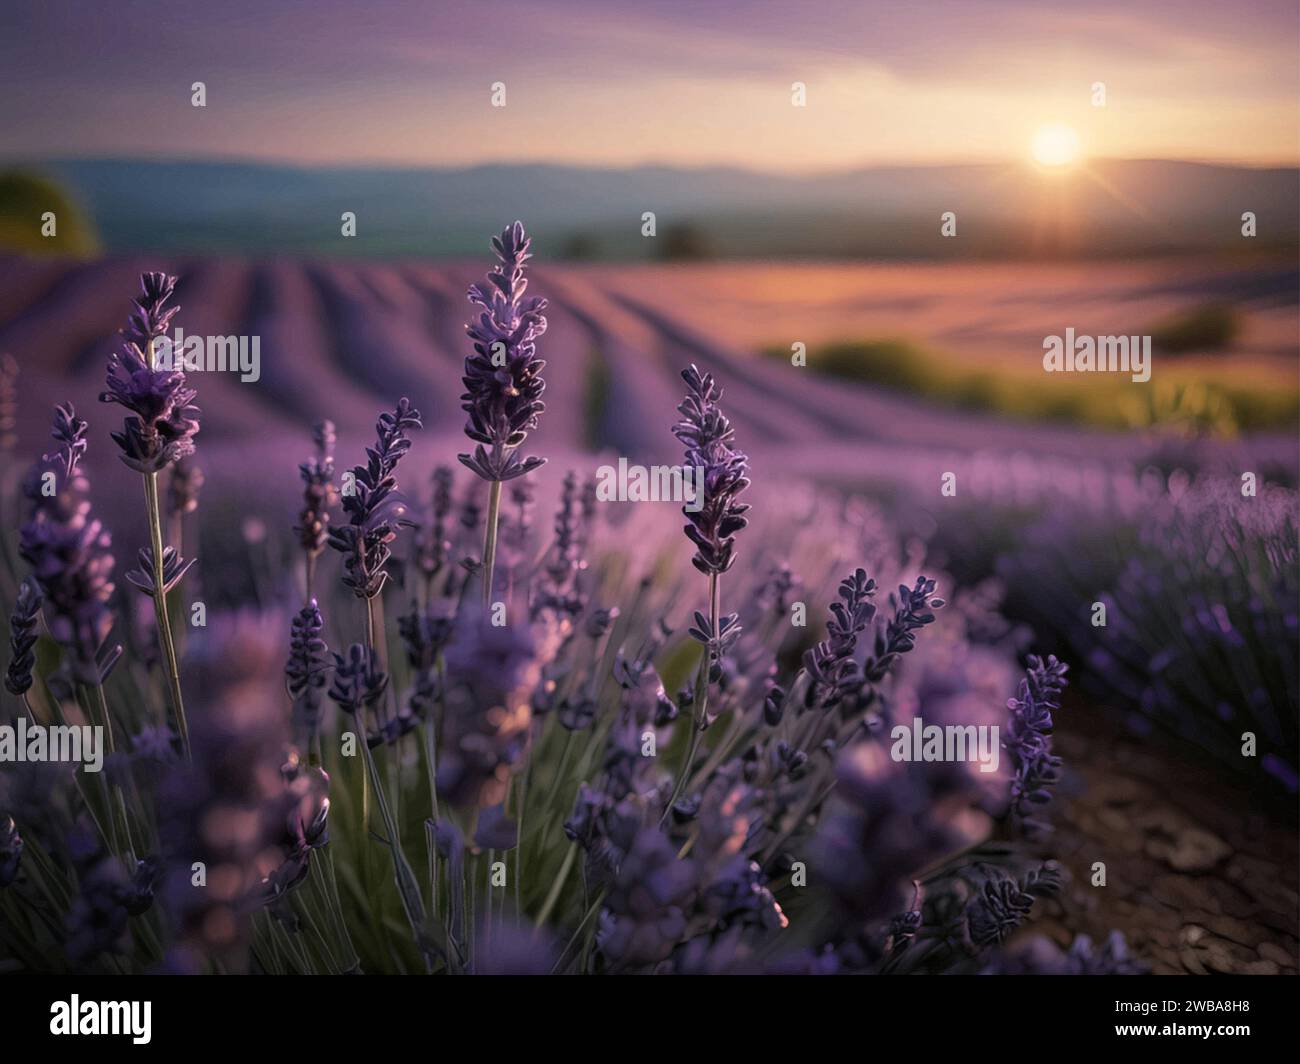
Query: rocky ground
[{"x": 1201, "y": 872}]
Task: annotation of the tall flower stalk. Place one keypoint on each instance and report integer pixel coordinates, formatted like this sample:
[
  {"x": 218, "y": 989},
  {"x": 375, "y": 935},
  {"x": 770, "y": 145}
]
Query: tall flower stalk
[
  {"x": 375, "y": 512},
  {"x": 503, "y": 379},
  {"x": 318, "y": 495},
  {"x": 721, "y": 472},
  {"x": 1036, "y": 770},
  {"x": 71, "y": 561},
  {"x": 159, "y": 432},
  {"x": 70, "y": 554}
]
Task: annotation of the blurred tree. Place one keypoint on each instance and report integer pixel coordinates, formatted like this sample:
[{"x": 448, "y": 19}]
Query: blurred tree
[
  {"x": 684, "y": 242},
  {"x": 1209, "y": 327},
  {"x": 27, "y": 201},
  {"x": 581, "y": 247}
]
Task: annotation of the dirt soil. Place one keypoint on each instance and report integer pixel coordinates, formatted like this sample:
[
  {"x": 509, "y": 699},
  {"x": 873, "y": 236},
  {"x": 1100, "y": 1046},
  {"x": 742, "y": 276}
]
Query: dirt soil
[{"x": 1201, "y": 872}]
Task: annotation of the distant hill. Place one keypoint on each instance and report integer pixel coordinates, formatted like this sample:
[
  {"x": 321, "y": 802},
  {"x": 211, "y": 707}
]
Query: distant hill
[{"x": 1114, "y": 207}]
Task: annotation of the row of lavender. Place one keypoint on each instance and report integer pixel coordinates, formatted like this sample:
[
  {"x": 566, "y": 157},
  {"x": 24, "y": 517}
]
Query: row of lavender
[
  {"x": 1179, "y": 595},
  {"x": 539, "y": 770}
]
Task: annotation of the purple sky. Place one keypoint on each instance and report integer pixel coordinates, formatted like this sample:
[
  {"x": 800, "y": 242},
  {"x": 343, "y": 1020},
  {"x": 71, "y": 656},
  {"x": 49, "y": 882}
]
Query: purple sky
[{"x": 676, "y": 82}]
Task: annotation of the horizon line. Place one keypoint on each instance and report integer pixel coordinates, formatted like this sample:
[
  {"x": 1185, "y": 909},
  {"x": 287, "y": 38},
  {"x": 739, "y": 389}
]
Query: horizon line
[{"x": 276, "y": 163}]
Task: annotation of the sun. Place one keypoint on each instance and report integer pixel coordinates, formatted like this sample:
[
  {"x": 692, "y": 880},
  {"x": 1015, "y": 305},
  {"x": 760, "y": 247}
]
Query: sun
[{"x": 1055, "y": 146}]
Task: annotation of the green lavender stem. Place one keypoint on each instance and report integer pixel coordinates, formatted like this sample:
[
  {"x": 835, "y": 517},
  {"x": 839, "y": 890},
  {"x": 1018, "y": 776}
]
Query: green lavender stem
[
  {"x": 701, "y": 701},
  {"x": 490, "y": 541},
  {"x": 407, "y": 889},
  {"x": 160, "y": 610},
  {"x": 311, "y": 575}
]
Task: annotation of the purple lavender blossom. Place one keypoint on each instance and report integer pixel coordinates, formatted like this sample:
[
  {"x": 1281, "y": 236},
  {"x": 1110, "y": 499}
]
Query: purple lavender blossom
[
  {"x": 149, "y": 317},
  {"x": 306, "y": 671},
  {"x": 69, "y": 554},
  {"x": 503, "y": 381},
  {"x": 490, "y": 672},
  {"x": 96, "y": 921},
  {"x": 912, "y": 612},
  {"x": 558, "y": 590},
  {"x": 1041, "y": 956},
  {"x": 69, "y": 432},
  {"x": 502, "y": 948},
  {"x": 164, "y": 418},
  {"x": 107, "y": 897},
  {"x": 722, "y": 470},
  {"x": 318, "y": 491},
  {"x": 666, "y": 912},
  {"x": 517, "y": 526},
  {"x": 227, "y": 806},
  {"x": 431, "y": 547},
  {"x": 646, "y": 912},
  {"x": 1002, "y": 902},
  {"x": 883, "y": 825},
  {"x": 830, "y": 664},
  {"x": 779, "y": 590},
  {"x": 997, "y": 911},
  {"x": 305, "y": 830},
  {"x": 1225, "y": 566},
  {"x": 22, "y": 637},
  {"x": 374, "y": 507},
  {"x": 424, "y": 634},
  {"x": 183, "y": 488},
  {"x": 358, "y": 683},
  {"x": 1036, "y": 769}
]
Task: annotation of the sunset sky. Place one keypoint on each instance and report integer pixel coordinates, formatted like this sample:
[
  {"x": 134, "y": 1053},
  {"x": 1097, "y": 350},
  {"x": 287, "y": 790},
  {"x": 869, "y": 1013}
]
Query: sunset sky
[{"x": 674, "y": 82}]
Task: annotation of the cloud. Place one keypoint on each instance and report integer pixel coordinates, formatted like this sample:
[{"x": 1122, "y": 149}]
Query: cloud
[{"x": 399, "y": 80}]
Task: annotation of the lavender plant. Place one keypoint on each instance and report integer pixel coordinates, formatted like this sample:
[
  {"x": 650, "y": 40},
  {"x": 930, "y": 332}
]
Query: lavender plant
[
  {"x": 1029, "y": 741},
  {"x": 158, "y": 432},
  {"x": 722, "y": 471},
  {"x": 69, "y": 552},
  {"x": 1200, "y": 588},
  {"x": 503, "y": 379},
  {"x": 614, "y": 781},
  {"x": 375, "y": 511},
  {"x": 318, "y": 496},
  {"x": 307, "y": 673},
  {"x": 182, "y": 496}
]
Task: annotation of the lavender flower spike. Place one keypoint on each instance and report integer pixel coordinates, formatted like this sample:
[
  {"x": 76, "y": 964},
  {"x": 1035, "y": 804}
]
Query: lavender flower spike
[
  {"x": 164, "y": 420},
  {"x": 159, "y": 433},
  {"x": 317, "y": 497},
  {"x": 1029, "y": 740},
  {"x": 22, "y": 637},
  {"x": 724, "y": 472},
  {"x": 503, "y": 381},
  {"x": 69, "y": 552},
  {"x": 306, "y": 671},
  {"x": 373, "y": 506}
]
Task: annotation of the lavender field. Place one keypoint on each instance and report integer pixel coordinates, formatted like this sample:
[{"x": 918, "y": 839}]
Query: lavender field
[
  {"x": 615, "y": 761},
  {"x": 338, "y": 337},
  {"x": 668, "y": 489}
]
